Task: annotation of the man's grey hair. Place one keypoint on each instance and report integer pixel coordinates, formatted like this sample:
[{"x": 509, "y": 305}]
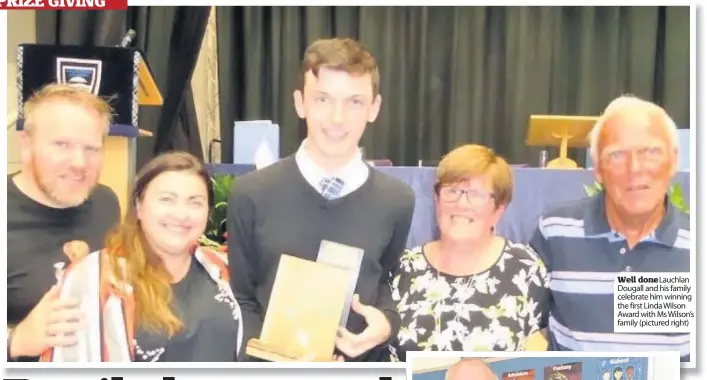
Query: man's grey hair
[
  {"x": 622, "y": 104},
  {"x": 490, "y": 375}
]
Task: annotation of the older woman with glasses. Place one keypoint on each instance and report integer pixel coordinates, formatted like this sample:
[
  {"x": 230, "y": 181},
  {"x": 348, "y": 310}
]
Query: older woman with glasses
[{"x": 471, "y": 290}]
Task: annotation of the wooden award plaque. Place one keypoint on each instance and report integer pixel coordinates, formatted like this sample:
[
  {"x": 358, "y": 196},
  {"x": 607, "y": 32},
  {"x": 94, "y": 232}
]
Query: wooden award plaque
[{"x": 303, "y": 314}]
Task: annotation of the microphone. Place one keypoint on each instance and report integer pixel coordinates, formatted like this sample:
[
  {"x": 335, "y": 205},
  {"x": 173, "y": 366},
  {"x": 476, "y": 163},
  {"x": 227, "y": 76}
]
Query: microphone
[{"x": 128, "y": 39}]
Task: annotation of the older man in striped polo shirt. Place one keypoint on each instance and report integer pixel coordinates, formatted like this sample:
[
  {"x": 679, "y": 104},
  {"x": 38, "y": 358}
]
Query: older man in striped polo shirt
[{"x": 629, "y": 227}]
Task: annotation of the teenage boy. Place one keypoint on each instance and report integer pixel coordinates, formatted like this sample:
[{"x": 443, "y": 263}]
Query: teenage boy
[{"x": 325, "y": 191}]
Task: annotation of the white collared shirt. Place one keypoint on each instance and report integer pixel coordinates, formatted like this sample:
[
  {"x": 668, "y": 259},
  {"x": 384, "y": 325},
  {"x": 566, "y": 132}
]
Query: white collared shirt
[{"x": 354, "y": 173}]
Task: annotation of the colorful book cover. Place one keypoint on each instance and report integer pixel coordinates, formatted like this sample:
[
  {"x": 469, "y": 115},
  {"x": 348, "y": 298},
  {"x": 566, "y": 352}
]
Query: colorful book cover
[
  {"x": 622, "y": 369},
  {"x": 568, "y": 371},
  {"x": 526, "y": 374}
]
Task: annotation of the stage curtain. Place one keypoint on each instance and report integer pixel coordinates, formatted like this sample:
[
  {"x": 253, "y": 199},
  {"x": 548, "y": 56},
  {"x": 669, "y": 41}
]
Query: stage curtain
[{"x": 455, "y": 75}]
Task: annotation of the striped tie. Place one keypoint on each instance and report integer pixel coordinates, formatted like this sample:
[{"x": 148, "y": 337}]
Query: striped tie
[{"x": 331, "y": 187}]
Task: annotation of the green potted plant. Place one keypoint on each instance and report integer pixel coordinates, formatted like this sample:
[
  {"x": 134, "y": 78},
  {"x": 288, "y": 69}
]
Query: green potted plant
[
  {"x": 675, "y": 195},
  {"x": 215, "y": 235}
]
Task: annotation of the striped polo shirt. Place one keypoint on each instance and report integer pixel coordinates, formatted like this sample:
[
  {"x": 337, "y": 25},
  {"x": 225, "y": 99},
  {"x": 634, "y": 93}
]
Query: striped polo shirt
[{"x": 583, "y": 255}]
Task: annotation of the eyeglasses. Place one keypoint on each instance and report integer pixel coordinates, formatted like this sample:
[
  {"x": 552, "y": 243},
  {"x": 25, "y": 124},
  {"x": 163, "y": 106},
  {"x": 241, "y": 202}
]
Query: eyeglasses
[
  {"x": 647, "y": 155},
  {"x": 475, "y": 197}
]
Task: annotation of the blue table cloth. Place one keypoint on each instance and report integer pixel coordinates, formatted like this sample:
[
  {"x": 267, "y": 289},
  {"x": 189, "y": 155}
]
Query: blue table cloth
[{"x": 535, "y": 190}]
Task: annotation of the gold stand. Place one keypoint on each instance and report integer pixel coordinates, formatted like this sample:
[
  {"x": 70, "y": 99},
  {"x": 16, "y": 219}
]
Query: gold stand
[
  {"x": 570, "y": 131},
  {"x": 562, "y": 162}
]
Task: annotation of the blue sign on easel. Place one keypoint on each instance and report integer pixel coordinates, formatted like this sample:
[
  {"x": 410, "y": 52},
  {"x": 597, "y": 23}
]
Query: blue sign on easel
[{"x": 253, "y": 139}]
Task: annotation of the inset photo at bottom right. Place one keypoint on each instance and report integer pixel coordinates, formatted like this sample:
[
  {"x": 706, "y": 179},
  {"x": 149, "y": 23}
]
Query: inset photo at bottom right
[{"x": 543, "y": 366}]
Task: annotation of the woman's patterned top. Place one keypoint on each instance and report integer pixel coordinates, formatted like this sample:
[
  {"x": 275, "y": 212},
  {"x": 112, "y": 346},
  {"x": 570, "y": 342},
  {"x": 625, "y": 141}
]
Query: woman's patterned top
[{"x": 494, "y": 310}]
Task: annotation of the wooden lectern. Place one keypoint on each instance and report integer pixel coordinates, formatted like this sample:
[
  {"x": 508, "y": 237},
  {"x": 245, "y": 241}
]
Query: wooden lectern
[
  {"x": 565, "y": 131},
  {"x": 303, "y": 314},
  {"x": 116, "y": 73}
]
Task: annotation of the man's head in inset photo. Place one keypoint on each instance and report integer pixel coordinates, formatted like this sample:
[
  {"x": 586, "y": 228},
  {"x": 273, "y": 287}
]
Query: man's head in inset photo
[
  {"x": 468, "y": 368},
  {"x": 606, "y": 375}
]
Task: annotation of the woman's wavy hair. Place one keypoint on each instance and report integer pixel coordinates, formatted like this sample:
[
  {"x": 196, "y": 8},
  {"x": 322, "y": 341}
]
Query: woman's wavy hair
[{"x": 134, "y": 262}]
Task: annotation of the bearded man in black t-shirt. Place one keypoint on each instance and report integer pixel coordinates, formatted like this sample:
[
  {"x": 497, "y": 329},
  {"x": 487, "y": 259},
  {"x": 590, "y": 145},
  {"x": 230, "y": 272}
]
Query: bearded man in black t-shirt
[{"x": 54, "y": 202}]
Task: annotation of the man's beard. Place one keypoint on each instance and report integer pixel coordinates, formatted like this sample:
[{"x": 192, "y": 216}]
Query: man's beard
[{"x": 58, "y": 197}]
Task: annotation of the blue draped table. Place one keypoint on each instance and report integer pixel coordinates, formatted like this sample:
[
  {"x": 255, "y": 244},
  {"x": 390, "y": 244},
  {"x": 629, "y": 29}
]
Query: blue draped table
[{"x": 534, "y": 191}]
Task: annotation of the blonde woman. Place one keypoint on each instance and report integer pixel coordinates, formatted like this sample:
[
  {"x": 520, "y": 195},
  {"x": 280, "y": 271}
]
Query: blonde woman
[{"x": 471, "y": 290}]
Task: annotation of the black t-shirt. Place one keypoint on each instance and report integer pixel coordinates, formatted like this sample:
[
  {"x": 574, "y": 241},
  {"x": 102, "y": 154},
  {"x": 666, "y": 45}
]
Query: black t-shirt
[
  {"x": 36, "y": 235},
  {"x": 211, "y": 324}
]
